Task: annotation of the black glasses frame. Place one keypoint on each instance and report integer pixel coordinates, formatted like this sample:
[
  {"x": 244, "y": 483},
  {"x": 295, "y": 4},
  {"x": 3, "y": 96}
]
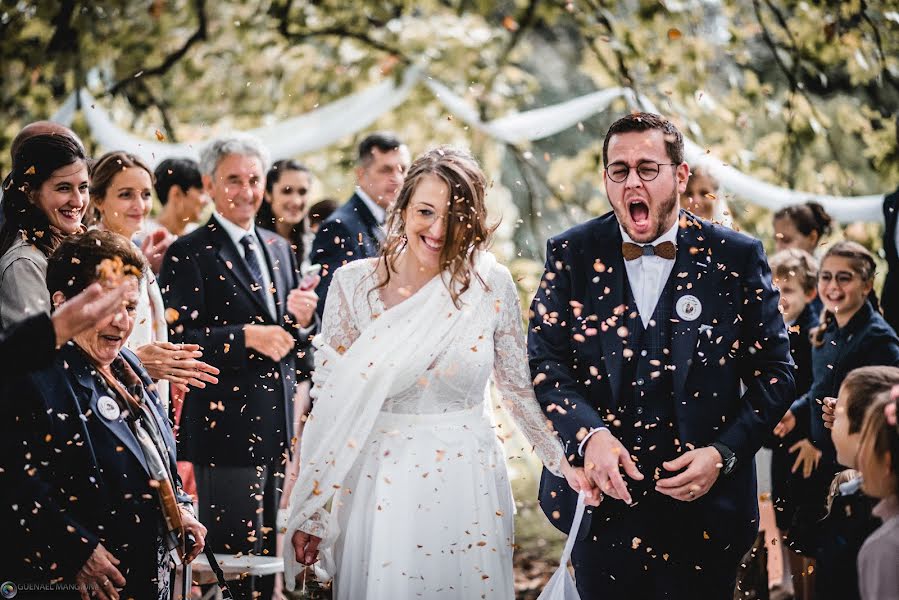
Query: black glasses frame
[{"x": 642, "y": 163}]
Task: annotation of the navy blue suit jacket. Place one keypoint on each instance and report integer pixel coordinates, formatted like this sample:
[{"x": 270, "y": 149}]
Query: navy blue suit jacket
[
  {"x": 247, "y": 419},
  {"x": 74, "y": 478},
  {"x": 350, "y": 233},
  {"x": 740, "y": 335},
  {"x": 889, "y": 297}
]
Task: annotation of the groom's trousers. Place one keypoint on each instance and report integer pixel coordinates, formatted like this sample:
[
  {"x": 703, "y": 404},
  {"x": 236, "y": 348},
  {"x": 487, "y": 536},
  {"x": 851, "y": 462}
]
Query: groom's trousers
[{"x": 656, "y": 550}]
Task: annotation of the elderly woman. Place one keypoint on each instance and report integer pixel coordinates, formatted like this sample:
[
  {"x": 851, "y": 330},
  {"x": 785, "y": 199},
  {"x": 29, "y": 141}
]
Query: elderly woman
[{"x": 91, "y": 478}]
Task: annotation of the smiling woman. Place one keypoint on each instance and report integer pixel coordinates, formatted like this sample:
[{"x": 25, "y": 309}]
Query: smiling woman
[{"x": 43, "y": 204}]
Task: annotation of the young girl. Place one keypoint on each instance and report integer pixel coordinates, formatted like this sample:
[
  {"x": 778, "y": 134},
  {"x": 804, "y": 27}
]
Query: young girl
[
  {"x": 851, "y": 334},
  {"x": 878, "y": 456}
]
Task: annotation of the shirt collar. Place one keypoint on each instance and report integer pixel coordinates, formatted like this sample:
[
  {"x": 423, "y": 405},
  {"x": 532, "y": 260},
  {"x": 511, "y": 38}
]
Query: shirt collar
[
  {"x": 859, "y": 319},
  {"x": 234, "y": 231},
  {"x": 668, "y": 236},
  {"x": 379, "y": 213}
]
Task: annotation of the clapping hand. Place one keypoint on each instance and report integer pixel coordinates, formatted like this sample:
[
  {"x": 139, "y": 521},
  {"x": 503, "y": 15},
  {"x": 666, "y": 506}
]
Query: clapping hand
[{"x": 178, "y": 364}]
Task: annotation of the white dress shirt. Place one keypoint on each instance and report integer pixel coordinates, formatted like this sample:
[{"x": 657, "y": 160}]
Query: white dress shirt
[
  {"x": 237, "y": 233},
  {"x": 379, "y": 213},
  {"x": 647, "y": 276}
]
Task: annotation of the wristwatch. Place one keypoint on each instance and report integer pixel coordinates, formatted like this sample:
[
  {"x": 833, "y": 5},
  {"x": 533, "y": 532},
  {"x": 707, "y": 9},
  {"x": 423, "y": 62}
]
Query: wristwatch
[{"x": 728, "y": 458}]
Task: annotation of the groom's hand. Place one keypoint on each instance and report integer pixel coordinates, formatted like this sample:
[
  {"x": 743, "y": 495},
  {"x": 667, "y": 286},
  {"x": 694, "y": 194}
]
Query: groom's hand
[
  {"x": 701, "y": 469},
  {"x": 602, "y": 458},
  {"x": 305, "y": 546}
]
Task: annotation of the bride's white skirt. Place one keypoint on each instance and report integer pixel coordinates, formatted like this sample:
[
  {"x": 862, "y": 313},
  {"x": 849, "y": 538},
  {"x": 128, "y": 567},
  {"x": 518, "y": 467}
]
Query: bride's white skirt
[{"x": 426, "y": 512}]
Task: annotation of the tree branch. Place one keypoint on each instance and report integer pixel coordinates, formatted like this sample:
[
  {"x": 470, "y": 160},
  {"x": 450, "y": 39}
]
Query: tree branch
[
  {"x": 171, "y": 59},
  {"x": 524, "y": 23}
]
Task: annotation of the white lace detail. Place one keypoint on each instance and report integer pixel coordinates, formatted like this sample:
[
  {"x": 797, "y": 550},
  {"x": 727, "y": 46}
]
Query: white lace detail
[{"x": 493, "y": 341}]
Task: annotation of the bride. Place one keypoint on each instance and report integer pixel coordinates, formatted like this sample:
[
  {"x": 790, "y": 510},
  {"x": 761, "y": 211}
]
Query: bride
[{"x": 403, "y": 490}]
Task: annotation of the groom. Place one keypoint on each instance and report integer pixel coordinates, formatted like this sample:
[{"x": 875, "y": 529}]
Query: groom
[{"x": 645, "y": 324}]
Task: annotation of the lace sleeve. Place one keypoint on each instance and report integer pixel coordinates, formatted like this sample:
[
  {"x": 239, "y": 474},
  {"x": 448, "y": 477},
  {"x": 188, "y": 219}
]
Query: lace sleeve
[
  {"x": 510, "y": 370},
  {"x": 338, "y": 329}
]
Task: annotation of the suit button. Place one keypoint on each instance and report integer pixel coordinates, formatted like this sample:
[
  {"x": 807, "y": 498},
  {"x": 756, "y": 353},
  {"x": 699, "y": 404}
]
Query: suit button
[
  {"x": 639, "y": 439},
  {"x": 640, "y": 381},
  {"x": 639, "y": 410}
]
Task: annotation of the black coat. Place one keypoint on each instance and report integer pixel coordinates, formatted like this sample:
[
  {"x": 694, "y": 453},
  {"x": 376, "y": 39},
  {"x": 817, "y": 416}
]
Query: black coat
[
  {"x": 73, "y": 478},
  {"x": 889, "y": 297},
  {"x": 27, "y": 345},
  {"x": 866, "y": 340},
  {"x": 350, "y": 233},
  {"x": 745, "y": 338},
  {"x": 247, "y": 419}
]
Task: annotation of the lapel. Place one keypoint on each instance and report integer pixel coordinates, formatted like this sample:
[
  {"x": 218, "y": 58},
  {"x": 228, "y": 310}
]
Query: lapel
[
  {"x": 276, "y": 267},
  {"x": 373, "y": 233},
  {"x": 83, "y": 373},
  {"x": 605, "y": 286},
  {"x": 691, "y": 272},
  {"x": 233, "y": 262}
]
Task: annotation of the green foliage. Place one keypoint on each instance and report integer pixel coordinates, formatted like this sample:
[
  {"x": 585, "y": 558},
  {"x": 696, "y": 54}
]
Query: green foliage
[{"x": 802, "y": 94}]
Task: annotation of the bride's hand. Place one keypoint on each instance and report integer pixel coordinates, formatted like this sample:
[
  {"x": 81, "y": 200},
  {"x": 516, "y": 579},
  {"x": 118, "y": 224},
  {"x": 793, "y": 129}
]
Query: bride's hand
[
  {"x": 579, "y": 482},
  {"x": 305, "y": 546}
]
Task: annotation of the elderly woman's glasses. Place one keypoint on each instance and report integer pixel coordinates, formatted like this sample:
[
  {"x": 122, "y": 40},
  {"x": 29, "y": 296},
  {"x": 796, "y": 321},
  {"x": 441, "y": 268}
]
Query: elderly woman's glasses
[{"x": 647, "y": 170}]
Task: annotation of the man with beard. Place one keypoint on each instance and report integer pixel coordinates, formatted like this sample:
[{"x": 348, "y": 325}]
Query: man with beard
[{"x": 645, "y": 323}]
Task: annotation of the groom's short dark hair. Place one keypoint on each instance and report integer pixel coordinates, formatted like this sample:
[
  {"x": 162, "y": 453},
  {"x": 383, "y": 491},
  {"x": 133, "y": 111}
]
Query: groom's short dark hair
[{"x": 641, "y": 121}]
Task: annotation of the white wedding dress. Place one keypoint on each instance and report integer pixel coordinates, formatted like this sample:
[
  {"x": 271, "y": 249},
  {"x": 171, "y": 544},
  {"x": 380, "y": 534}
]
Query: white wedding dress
[{"x": 425, "y": 510}]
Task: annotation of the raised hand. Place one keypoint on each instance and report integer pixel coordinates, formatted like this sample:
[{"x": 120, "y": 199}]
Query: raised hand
[
  {"x": 828, "y": 412},
  {"x": 154, "y": 247},
  {"x": 603, "y": 456},
  {"x": 301, "y": 304},
  {"x": 85, "y": 310}
]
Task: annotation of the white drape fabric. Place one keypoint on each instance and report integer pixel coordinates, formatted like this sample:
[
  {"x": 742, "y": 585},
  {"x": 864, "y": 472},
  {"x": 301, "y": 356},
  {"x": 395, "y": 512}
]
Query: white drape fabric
[
  {"x": 387, "y": 358},
  {"x": 326, "y": 125}
]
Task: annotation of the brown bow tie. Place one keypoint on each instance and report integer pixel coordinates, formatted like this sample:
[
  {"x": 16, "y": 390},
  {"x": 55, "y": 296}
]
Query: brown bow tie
[{"x": 666, "y": 250}]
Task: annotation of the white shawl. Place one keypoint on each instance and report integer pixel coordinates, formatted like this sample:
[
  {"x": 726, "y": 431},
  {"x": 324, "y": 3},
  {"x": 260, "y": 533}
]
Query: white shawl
[{"x": 389, "y": 356}]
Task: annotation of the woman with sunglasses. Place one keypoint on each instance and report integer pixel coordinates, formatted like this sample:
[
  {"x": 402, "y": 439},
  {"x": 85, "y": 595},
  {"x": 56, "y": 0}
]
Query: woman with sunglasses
[{"x": 852, "y": 334}]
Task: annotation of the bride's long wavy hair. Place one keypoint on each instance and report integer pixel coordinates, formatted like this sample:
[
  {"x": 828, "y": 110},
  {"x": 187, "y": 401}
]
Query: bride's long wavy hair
[{"x": 466, "y": 218}]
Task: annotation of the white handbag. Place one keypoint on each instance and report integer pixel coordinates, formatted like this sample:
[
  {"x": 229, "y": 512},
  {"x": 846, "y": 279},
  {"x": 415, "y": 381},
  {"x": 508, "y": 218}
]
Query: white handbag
[{"x": 561, "y": 586}]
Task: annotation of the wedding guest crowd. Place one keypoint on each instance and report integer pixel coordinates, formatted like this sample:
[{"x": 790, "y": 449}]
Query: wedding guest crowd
[{"x": 159, "y": 376}]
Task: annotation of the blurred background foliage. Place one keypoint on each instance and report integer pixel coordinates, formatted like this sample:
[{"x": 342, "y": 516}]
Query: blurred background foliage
[{"x": 802, "y": 94}]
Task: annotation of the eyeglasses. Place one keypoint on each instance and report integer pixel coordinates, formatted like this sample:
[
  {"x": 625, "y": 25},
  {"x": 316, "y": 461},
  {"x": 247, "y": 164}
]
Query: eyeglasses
[
  {"x": 842, "y": 278},
  {"x": 647, "y": 170}
]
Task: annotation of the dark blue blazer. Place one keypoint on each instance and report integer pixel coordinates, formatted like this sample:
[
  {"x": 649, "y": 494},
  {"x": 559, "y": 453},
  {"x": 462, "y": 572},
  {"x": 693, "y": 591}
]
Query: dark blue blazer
[
  {"x": 247, "y": 419},
  {"x": 73, "y": 479},
  {"x": 889, "y": 297},
  {"x": 576, "y": 355},
  {"x": 866, "y": 340},
  {"x": 350, "y": 233}
]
